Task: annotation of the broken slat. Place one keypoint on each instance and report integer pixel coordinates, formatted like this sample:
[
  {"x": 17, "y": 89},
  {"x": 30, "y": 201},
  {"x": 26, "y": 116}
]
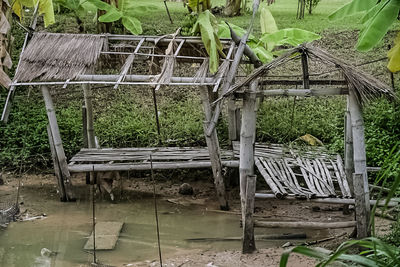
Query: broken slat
[
  {"x": 268, "y": 179},
  {"x": 128, "y": 64}
]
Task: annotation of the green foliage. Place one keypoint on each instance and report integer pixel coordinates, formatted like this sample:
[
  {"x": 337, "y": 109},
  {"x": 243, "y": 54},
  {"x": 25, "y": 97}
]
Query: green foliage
[
  {"x": 207, "y": 26},
  {"x": 80, "y": 8},
  {"x": 379, "y": 17},
  {"x": 375, "y": 252},
  {"x": 126, "y": 12},
  {"x": 187, "y": 24},
  {"x": 45, "y": 8},
  {"x": 290, "y": 36},
  {"x": 198, "y": 5},
  {"x": 267, "y": 21}
]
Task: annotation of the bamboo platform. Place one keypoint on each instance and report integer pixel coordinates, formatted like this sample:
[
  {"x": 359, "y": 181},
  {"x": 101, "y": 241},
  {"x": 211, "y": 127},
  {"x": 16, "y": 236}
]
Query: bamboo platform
[
  {"x": 303, "y": 173},
  {"x": 126, "y": 159}
]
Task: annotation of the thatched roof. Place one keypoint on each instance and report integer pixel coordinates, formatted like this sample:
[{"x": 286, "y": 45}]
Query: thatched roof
[
  {"x": 51, "y": 56},
  {"x": 366, "y": 86}
]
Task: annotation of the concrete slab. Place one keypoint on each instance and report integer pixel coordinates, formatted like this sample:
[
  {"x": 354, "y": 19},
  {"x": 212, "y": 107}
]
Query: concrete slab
[{"x": 106, "y": 236}]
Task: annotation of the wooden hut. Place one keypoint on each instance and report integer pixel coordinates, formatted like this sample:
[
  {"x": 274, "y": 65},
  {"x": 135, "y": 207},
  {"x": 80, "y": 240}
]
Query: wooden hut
[{"x": 63, "y": 60}]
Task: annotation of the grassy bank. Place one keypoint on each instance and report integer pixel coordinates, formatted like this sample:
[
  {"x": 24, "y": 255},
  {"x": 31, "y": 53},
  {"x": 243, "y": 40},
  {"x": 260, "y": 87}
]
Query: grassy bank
[{"x": 126, "y": 118}]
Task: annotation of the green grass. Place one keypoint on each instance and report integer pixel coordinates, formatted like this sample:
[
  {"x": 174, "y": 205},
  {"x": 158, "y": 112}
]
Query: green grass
[{"x": 128, "y": 119}]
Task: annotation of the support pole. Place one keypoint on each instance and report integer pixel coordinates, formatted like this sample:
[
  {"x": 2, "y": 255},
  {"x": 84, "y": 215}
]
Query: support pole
[
  {"x": 249, "y": 245},
  {"x": 232, "y": 125},
  {"x": 56, "y": 165},
  {"x": 87, "y": 94},
  {"x": 59, "y": 149},
  {"x": 360, "y": 179},
  {"x": 246, "y": 162},
  {"x": 348, "y": 150},
  {"x": 214, "y": 152}
]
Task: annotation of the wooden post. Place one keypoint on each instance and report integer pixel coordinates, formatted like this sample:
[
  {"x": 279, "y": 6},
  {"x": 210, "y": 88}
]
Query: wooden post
[
  {"x": 248, "y": 225},
  {"x": 360, "y": 180},
  {"x": 232, "y": 126},
  {"x": 84, "y": 127},
  {"x": 246, "y": 161},
  {"x": 87, "y": 94},
  {"x": 214, "y": 152},
  {"x": 57, "y": 171},
  {"x": 59, "y": 150},
  {"x": 348, "y": 150},
  {"x": 306, "y": 75},
  {"x": 362, "y": 213}
]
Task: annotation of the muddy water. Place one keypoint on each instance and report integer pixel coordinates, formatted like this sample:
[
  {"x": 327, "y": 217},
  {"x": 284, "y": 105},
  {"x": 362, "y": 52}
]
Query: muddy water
[{"x": 67, "y": 226}]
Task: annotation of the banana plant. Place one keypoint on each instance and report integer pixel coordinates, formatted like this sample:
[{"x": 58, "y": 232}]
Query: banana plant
[
  {"x": 80, "y": 9},
  {"x": 126, "y": 11},
  {"x": 45, "y": 8},
  {"x": 379, "y": 17}
]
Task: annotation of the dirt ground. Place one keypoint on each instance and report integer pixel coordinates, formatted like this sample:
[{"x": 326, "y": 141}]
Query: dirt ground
[{"x": 204, "y": 195}]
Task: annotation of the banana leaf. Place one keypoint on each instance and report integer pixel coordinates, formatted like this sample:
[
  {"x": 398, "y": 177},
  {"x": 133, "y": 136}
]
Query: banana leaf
[
  {"x": 352, "y": 8},
  {"x": 378, "y": 25},
  {"x": 207, "y": 26}
]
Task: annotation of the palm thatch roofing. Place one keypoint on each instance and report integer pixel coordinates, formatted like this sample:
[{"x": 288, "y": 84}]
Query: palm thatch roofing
[
  {"x": 51, "y": 56},
  {"x": 364, "y": 85}
]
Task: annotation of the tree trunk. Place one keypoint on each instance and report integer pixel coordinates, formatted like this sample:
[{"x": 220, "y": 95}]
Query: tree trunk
[
  {"x": 103, "y": 27},
  {"x": 232, "y": 8}
]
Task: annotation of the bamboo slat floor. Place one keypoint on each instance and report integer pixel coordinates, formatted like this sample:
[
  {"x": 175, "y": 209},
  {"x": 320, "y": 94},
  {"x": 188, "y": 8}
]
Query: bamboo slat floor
[{"x": 288, "y": 171}]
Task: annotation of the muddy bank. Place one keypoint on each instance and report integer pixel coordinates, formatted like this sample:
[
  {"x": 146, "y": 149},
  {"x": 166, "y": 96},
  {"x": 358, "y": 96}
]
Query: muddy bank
[{"x": 66, "y": 226}]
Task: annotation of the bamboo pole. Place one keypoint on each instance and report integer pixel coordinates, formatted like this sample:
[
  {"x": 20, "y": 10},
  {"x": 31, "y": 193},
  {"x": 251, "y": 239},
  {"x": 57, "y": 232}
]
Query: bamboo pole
[
  {"x": 59, "y": 149},
  {"x": 327, "y": 200},
  {"x": 360, "y": 181},
  {"x": 214, "y": 151},
  {"x": 87, "y": 94},
  {"x": 305, "y": 225},
  {"x": 249, "y": 245},
  {"x": 232, "y": 126},
  {"x": 246, "y": 161},
  {"x": 57, "y": 171},
  {"x": 146, "y": 166},
  {"x": 348, "y": 150}
]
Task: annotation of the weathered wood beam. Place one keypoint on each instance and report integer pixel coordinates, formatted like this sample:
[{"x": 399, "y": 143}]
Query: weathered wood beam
[
  {"x": 59, "y": 149},
  {"x": 305, "y": 225},
  {"x": 10, "y": 96},
  {"x": 87, "y": 94},
  {"x": 304, "y": 66},
  {"x": 146, "y": 166},
  {"x": 246, "y": 162},
  {"x": 128, "y": 64},
  {"x": 249, "y": 245},
  {"x": 57, "y": 171},
  {"x": 297, "y": 92},
  {"x": 348, "y": 150},
  {"x": 360, "y": 181},
  {"x": 214, "y": 151},
  {"x": 345, "y": 201},
  {"x": 300, "y": 82}
]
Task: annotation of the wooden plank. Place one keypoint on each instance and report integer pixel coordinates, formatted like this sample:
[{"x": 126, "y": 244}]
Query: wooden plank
[
  {"x": 305, "y": 225},
  {"x": 107, "y": 234},
  {"x": 300, "y": 82},
  {"x": 59, "y": 149}
]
